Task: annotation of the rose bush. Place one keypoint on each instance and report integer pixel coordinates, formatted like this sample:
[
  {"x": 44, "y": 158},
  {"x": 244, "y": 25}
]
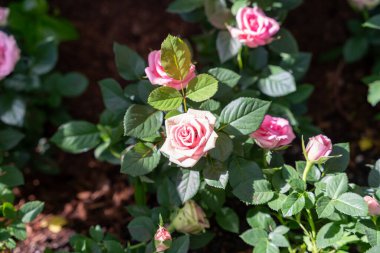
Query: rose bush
[{"x": 196, "y": 153}]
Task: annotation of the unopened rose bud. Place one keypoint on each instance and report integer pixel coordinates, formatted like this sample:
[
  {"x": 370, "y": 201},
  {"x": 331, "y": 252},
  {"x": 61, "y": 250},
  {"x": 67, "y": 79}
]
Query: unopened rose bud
[
  {"x": 162, "y": 239},
  {"x": 319, "y": 147},
  {"x": 364, "y": 4},
  {"x": 373, "y": 205},
  {"x": 191, "y": 219}
]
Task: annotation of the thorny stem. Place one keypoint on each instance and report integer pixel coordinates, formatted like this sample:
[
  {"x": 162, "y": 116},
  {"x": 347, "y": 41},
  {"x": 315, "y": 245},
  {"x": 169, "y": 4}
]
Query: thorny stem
[{"x": 184, "y": 98}]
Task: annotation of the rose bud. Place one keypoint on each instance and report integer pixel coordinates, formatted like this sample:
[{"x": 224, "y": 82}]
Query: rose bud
[
  {"x": 254, "y": 27},
  {"x": 162, "y": 239},
  {"x": 9, "y": 54},
  {"x": 4, "y": 13},
  {"x": 273, "y": 133},
  {"x": 157, "y": 75},
  {"x": 191, "y": 219},
  {"x": 373, "y": 205},
  {"x": 318, "y": 148},
  {"x": 364, "y": 4},
  {"x": 189, "y": 136}
]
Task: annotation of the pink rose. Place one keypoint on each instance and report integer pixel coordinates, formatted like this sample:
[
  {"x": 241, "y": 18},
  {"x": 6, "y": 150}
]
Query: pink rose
[
  {"x": 157, "y": 75},
  {"x": 254, "y": 27},
  {"x": 162, "y": 239},
  {"x": 274, "y": 132},
  {"x": 4, "y": 13},
  {"x": 364, "y": 4},
  {"x": 318, "y": 147},
  {"x": 373, "y": 205},
  {"x": 189, "y": 136},
  {"x": 9, "y": 54}
]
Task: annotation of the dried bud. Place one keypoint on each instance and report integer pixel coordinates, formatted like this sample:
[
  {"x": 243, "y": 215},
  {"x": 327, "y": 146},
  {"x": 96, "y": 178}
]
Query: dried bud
[
  {"x": 162, "y": 239},
  {"x": 191, "y": 219}
]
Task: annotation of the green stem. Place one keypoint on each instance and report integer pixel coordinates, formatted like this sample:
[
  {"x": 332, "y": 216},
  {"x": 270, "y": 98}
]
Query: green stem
[
  {"x": 307, "y": 170},
  {"x": 313, "y": 231},
  {"x": 136, "y": 245},
  {"x": 239, "y": 59},
  {"x": 140, "y": 197},
  {"x": 365, "y": 15},
  {"x": 265, "y": 163},
  {"x": 184, "y": 99}
]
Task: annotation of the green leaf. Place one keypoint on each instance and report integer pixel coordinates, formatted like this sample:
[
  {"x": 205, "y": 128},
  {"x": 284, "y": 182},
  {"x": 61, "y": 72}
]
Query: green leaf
[
  {"x": 11, "y": 176},
  {"x": 30, "y": 210},
  {"x": 223, "y": 147},
  {"x": 278, "y": 239},
  {"x": 45, "y": 57},
  {"x": 184, "y": 6},
  {"x": 8, "y": 210},
  {"x": 175, "y": 57},
  {"x": 12, "y": 110},
  {"x": 77, "y": 136},
  {"x": 243, "y": 115},
  {"x": 228, "y": 220},
  {"x": 18, "y": 230},
  {"x": 355, "y": 48},
  {"x": 338, "y": 164},
  {"x": 129, "y": 64},
  {"x": 258, "y": 219},
  {"x": 325, "y": 207},
  {"x": 373, "y": 22},
  {"x": 293, "y": 204},
  {"x": 140, "y": 160},
  {"x": 167, "y": 195},
  {"x": 141, "y": 229},
  {"x": 302, "y": 93},
  {"x": 165, "y": 98},
  {"x": 351, "y": 204},
  {"x": 297, "y": 64},
  {"x": 201, "y": 240},
  {"x": 329, "y": 234},
  {"x": 285, "y": 44},
  {"x": 243, "y": 173},
  {"x": 142, "y": 121},
  {"x": 278, "y": 83},
  {"x": 258, "y": 58},
  {"x": 227, "y": 46},
  {"x": 72, "y": 84},
  {"x": 96, "y": 233},
  {"x": 277, "y": 202},
  {"x": 336, "y": 185},
  {"x": 297, "y": 184},
  {"x": 210, "y": 105},
  {"x": 374, "y": 175},
  {"x": 9, "y": 138},
  {"x": 180, "y": 245},
  {"x": 215, "y": 174},
  {"x": 265, "y": 246},
  {"x": 374, "y": 93},
  {"x": 373, "y": 233},
  {"x": 213, "y": 198},
  {"x": 113, "y": 97},
  {"x": 225, "y": 76},
  {"x": 374, "y": 249},
  {"x": 314, "y": 173},
  {"x": 113, "y": 246},
  {"x": 188, "y": 182},
  {"x": 262, "y": 192},
  {"x": 254, "y": 236},
  {"x": 201, "y": 88}
]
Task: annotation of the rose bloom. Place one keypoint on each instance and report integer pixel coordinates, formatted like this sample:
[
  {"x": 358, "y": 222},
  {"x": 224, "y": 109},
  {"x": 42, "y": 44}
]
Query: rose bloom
[
  {"x": 373, "y": 205},
  {"x": 191, "y": 219},
  {"x": 318, "y": 147},
  {"x": 254, "y": 27},
  {"x": 273, "y": 133},
  {"x": 189, "y": 136},
  {"x": 4, "y": 13},
  {"x": 162, "y": 239},
  {"x": 156, "y": 73},
  {"x": 9, "y": 54},
  {"x": 364, "y": 4}
]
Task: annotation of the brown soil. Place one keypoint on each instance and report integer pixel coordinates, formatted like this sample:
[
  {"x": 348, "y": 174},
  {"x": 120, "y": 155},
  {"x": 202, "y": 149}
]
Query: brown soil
[{"x": 88, "y": 192}]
